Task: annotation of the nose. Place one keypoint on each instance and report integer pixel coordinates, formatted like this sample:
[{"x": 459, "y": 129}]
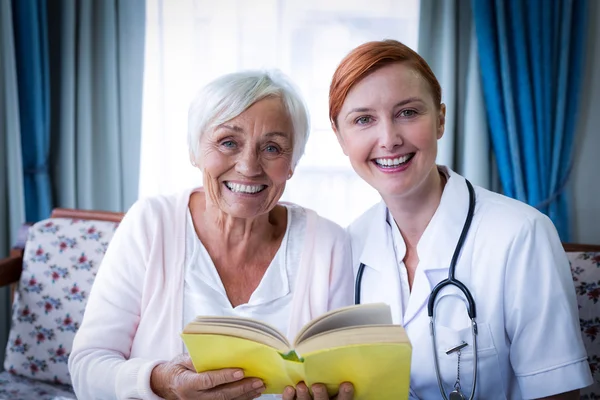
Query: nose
[
  {"x": 249, "y": 163},
  {"x": 390, "y": 136}
]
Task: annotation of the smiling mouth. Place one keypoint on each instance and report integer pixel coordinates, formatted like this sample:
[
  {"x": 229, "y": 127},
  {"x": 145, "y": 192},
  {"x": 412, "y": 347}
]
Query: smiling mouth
[
  {"x": 393, "y": 162},
  {"x": 245, "y": 189}
]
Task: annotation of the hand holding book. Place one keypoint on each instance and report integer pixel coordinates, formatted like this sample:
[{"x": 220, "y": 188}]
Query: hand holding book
[
  {"x": 177, "y": 379},
  {"x": 319, "y": 392},
  {"x": 356, "y": 344}
]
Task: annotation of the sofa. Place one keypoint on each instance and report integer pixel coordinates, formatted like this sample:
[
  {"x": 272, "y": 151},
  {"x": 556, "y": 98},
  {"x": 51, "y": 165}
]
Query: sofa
[{"x": 51, "y": 271}]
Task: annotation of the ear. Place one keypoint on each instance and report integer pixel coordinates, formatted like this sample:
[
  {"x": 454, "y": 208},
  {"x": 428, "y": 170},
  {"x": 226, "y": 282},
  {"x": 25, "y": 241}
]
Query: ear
[
  {"x": 441, "y": 121},
  {"x": 290, "y": 174},
  {"x": 194, "y": 162},
  {"x": 339, "y": 138}
]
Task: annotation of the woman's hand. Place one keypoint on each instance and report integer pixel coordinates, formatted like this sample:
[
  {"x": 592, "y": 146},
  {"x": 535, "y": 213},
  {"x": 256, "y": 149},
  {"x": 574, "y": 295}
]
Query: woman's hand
[
  {"x": 178, "y": 380},
  {"x": 345, "y": 392}
]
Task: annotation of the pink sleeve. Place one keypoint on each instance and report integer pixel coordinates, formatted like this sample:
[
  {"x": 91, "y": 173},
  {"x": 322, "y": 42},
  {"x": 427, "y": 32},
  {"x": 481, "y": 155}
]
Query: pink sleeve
[{"x": 99, "y": 363}]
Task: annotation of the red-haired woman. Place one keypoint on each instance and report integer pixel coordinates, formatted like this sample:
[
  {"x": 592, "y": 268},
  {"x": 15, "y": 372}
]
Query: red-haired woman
[{"x": 386, "y": 110}]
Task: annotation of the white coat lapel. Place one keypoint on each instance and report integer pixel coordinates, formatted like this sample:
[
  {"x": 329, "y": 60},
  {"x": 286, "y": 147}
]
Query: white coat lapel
[
  {"x": 380, "y": 281},
  {"x": 437, "y": 244}
]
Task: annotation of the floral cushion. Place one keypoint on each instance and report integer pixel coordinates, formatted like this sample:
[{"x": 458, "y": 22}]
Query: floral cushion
[
  {"x": 59, "y": 265},
  {"x": 16, "y": 387},
  {"x": 586, "y": 275}
]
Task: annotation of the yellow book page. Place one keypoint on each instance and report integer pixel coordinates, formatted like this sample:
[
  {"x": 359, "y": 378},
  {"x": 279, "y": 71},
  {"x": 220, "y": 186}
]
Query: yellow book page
[
  {"x": 378, "y": 371},
  {"x": 210, "y": 352}
]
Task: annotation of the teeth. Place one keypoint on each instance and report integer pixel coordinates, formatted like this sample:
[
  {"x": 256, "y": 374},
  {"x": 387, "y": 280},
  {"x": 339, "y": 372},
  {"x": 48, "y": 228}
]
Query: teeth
[
  {"x": 239, "y": 188},
  {"x": 393, "y": 162}
]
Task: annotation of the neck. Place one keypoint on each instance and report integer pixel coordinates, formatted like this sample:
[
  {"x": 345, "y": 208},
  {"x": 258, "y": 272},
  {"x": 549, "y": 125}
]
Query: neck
[
  {"x": 232, "y": 234},
  {"x": 412, "y": 212},
  {"x": 237, "y": 232}
]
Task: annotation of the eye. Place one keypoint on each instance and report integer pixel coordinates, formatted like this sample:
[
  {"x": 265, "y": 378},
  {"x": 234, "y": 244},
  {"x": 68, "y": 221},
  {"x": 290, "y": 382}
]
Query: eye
[
  {"x": 229, "y": 144},
  {"x": 407, "y": 113},
  {"x": 365, "y": 119},
  {"x": 272, "y": 149}
]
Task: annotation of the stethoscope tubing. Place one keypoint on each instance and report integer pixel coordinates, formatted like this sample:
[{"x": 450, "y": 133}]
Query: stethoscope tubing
[{"x": 450, "y": 281}]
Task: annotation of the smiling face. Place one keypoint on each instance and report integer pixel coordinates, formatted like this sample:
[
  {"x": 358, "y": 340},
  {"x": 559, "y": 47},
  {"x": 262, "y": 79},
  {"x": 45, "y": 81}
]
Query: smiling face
[
  {"x": 389, "y": 126},
  {"x": 247, "y": 160}
]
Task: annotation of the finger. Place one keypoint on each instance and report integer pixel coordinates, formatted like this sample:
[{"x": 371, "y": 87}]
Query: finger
[
  {"x": 319, "y": 392},
  {"x": 346, "y": 391},
  {"x": 302, "y": 392},
  {"x": 237, "y": 389},
  {"x": 211, "y": 379},
  {"x": 250, "y": 395},
  {"x": 185, "y": 361},
  {"x": 289, "y": 393}
]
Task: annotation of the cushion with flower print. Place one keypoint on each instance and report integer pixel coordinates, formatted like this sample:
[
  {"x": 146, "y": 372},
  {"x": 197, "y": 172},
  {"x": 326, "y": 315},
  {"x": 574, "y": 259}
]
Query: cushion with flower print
[
  {"x": 60, "y": 262},
  {"x": 585, "y": 267}
]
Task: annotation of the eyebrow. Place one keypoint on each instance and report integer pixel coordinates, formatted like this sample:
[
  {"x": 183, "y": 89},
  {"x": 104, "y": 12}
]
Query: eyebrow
[
  {"x": 231, "y": 128},
  {"x": 400, "y": 103},
  {"x": 238, "y": 129},
  {"x": 279, "y": 134}
]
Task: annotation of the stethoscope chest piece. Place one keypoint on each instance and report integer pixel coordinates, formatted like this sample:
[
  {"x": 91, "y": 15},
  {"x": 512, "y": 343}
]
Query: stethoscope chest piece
[{"x": 456, "y": 395}]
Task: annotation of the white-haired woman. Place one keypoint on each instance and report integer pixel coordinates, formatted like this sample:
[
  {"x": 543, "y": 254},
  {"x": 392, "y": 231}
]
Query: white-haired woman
[{"x": 226, "y": 249}]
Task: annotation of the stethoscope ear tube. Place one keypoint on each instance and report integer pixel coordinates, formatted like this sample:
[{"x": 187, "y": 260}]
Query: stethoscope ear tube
[
  {"x": 451, "y": 280},
  {"x": 358, "y": 283}
]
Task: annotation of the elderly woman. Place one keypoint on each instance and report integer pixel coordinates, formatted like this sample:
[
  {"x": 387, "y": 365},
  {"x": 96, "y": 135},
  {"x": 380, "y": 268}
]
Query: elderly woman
[{"x": 226, "y": 249}]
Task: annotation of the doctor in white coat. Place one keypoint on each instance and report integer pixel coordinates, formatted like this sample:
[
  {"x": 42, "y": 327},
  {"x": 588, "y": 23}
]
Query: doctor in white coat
[{"x": 386, "y": 110}]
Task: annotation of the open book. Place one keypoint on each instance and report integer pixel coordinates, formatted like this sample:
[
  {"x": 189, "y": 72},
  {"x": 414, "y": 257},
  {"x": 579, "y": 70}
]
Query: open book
[{"x": 357, "y": 344}]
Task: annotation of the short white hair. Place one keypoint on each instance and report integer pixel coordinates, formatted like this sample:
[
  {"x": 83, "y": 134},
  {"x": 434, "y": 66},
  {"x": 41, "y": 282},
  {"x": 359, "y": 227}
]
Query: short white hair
[{"x": 230, "y": 95}]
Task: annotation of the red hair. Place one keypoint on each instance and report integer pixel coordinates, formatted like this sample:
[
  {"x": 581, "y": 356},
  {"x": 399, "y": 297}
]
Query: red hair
[{"x": 369, "y": 57}]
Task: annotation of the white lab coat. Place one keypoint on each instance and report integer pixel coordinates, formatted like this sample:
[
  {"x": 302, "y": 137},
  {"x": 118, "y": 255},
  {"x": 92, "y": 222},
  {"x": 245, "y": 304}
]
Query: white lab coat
[{"x": 529, "y": 341}]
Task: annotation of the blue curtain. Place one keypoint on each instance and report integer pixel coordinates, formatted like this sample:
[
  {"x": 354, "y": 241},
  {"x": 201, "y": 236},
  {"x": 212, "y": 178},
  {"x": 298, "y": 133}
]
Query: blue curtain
[
  {"x": 447, "y": 42},
  {"x": 531, "y": 57},
  {"x": 31, "y": 49},
  {"x": 12, "y": 207},
  {"x": 97, "y": 69},
  {"x": 80, "y": 81}
]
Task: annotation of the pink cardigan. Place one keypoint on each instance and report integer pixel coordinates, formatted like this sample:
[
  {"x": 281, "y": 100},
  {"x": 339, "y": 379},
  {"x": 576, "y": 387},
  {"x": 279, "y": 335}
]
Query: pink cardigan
[{"x": 135, "y": 311}]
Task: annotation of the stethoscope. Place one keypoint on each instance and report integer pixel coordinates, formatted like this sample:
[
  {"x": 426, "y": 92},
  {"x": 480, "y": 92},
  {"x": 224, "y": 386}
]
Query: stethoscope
[{"x": 456, "y": 394}]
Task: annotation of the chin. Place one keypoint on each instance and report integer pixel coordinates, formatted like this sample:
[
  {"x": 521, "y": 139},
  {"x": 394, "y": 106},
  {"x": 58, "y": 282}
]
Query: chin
[
  {"x": 239, "y": 211},
  {"x": 397, "y": 189}
]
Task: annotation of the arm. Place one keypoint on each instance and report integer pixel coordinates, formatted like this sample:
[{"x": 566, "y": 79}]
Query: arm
[
  {"x": 99, "y": 363},
  {"x": 341, "y": 276},
  {"x": 541, "y": 315}
]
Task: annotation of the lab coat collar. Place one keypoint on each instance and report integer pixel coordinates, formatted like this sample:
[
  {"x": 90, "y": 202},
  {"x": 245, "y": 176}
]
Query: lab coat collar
[
  {"x": 378, "y": 250},
  {"x": 437, "y": 244}
]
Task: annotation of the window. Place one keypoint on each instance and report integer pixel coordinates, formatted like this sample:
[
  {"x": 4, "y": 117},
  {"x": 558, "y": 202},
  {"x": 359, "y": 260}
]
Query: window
[{"x": 190, "y": 42}]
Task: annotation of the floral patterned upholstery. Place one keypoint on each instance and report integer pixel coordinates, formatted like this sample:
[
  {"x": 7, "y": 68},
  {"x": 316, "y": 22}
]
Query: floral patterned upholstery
[
  {"x": 586, "y": 275},
  {"x": 60, "y": 262},
  {"x": 15, "y": 387}
]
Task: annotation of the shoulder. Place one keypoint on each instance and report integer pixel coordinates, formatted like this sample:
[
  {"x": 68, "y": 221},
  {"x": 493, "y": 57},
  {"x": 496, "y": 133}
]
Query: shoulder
[
  {"x": 360, "y": 227},
  {"x": 149, "y": 216},
  {"x": 502, "y": 215},
  {"x": 323, "y": 229}
]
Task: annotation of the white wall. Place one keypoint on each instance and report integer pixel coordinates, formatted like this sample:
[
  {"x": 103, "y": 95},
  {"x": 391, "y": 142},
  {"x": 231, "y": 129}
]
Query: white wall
[{"x": 585, "y": 181}]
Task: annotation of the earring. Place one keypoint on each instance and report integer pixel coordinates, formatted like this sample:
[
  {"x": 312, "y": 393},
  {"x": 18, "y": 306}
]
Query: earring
[{"x": 290, "y": 174}]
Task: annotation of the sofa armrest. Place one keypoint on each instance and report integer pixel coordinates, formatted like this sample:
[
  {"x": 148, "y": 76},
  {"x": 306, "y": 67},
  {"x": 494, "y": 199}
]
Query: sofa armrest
[
  {"x": 10, "y": 270},
  {"x": 12, "y": 266}
]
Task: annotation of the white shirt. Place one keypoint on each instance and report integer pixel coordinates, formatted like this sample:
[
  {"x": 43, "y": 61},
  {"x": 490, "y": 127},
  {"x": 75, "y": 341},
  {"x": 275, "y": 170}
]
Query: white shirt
[
  {"x": 399, "y": 253},
  {"x": 529, "y": 340},
  {"x": 204, "y": 293}
]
